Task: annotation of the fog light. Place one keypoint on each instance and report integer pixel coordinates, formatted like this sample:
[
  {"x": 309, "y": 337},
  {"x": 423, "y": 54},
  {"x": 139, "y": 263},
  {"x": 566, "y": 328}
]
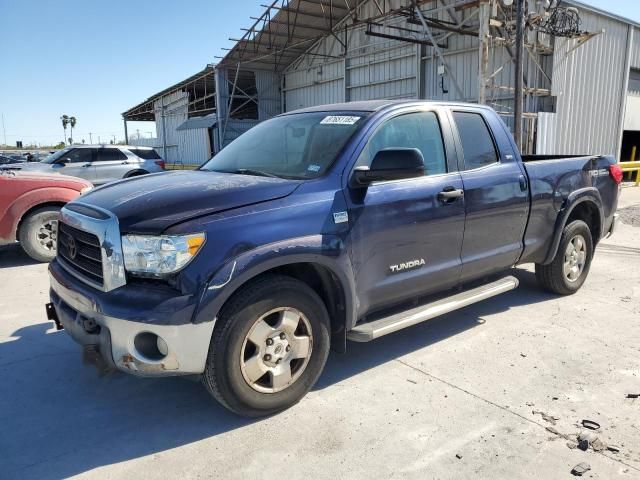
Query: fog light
[
  {"x": 150, "y": 346},
  {"x": 163, "y": 348}
]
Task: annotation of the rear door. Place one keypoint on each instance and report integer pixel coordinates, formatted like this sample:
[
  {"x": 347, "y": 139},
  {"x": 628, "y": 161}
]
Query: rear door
[
  {"x": 405, "y": 236},
  {"x": 112, "y": 164},
  {"x": 495, "y": 191}
]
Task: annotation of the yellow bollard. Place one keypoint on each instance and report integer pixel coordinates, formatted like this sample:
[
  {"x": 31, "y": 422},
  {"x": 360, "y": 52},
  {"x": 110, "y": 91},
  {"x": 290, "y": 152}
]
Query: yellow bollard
[{"x": 633, "y": 159}]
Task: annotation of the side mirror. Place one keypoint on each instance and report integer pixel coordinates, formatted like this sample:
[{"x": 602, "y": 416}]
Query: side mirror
[
  {"x": 63, "y": 161},
  {"x": 390, "y": 164}
]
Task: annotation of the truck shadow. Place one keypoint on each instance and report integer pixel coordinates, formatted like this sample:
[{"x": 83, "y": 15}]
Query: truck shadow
[
  {"x": 59, "y": 420},
  {"x": 14, "y": 256}
]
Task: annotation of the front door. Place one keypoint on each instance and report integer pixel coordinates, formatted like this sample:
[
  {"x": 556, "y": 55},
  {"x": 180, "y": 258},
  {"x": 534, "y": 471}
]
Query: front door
[
  {"x": 406, "y": 237},
  {"x": 78, "y": 162},
  {"x": 496, "y": 195}
]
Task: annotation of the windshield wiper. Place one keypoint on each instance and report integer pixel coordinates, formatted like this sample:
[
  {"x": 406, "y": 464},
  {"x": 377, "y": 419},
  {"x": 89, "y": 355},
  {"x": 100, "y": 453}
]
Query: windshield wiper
[{"x": 250, "y": 171}]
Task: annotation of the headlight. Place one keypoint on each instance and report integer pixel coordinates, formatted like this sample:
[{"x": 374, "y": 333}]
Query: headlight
[
  {"x": 86, "y": 189},
  {"x": 155, "y": 256}
]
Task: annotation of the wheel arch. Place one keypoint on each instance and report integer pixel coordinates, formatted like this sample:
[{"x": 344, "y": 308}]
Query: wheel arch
[
  {"x": 326, "y": 275},
  {"x": 135, "y": 173},
  {"x": 584, "y": 204}
]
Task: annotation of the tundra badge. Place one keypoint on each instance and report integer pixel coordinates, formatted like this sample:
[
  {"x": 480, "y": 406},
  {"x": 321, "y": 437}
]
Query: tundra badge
[{"x": 407, "y": 265}]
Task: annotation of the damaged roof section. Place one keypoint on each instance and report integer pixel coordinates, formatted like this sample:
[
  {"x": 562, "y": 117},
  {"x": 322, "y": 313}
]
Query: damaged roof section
[{"x": 201, "y": 88}]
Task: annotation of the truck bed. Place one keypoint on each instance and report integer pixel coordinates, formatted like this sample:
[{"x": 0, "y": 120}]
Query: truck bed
[{"x": 552, "y": 178}]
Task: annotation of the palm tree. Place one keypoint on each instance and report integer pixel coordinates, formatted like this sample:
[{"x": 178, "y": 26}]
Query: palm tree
[
  {"x": 72, "y": 122},
  {"x": 65, "y": 122}
]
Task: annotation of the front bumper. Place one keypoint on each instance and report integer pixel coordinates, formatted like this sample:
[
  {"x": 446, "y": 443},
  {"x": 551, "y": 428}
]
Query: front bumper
[{"x": 111, "y": 340}]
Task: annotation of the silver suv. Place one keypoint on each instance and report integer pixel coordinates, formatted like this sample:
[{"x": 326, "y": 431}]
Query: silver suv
[{"x": 100, "y": 163}]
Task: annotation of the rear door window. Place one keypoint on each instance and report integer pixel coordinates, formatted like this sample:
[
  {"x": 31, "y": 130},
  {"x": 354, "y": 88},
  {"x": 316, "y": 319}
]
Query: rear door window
[
  {"x": 110, "y": 155},
  {"x": 147, "y": 154},
  {"x": 477, "y": 142}
]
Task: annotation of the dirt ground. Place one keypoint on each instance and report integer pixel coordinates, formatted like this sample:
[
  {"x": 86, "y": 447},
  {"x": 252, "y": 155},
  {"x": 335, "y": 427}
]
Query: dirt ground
[{"x": 496, "y": 390}]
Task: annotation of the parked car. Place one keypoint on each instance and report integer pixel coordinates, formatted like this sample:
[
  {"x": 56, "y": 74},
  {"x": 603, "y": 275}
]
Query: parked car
[
  {"x": 29, "y": 206},
  {"x": 347, "y": 221},
  {"x": 100, "y": 163},
  {"x": 5, "y": 160}
]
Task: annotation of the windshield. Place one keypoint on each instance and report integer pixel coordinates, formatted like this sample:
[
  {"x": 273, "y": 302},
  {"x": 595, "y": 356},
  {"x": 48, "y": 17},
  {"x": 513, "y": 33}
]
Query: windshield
[
  {"x": 55, "y": 156},
  {"x": 299, "y": 146}
]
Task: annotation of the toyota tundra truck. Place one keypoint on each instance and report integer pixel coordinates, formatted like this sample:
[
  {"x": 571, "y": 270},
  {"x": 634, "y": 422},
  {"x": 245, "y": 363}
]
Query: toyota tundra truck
[{"x": 333, "y": 223}]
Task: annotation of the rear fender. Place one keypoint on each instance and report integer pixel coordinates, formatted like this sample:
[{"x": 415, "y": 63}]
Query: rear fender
[
  {"x": 328, "y": 251},
  {"x": 588, "y": 194}
]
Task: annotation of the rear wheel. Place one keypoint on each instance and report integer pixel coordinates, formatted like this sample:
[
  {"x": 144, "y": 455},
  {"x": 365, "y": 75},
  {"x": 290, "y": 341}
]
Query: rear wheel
[
  {"x": 570, "y": 267},
  {"x": 37, "y": 234},
  {"x": 269, "y": 346}
]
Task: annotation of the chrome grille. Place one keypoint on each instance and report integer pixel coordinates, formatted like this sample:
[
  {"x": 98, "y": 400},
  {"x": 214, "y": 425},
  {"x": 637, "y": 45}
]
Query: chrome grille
[{"x": 81, "y": 251}]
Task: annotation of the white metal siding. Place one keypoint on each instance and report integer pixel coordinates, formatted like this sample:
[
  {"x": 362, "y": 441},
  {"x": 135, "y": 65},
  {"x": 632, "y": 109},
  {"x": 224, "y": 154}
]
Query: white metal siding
[
  {"x": 190, "y": 147},
  {"x": 588, "y": 82},
  {"x": 635, "y": 49}
]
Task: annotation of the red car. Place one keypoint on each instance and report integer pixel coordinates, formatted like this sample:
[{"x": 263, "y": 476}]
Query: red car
[{"x": 29, "y": 207}]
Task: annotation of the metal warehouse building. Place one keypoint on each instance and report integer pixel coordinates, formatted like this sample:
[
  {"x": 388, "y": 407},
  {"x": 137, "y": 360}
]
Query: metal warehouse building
[{"x": 581, "y": 71}]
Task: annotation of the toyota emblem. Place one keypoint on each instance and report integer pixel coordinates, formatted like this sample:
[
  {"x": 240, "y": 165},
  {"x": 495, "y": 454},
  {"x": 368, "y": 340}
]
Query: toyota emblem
[{"x": 72, "y": 248}]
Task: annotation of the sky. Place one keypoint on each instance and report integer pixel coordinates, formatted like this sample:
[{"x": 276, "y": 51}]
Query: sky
[{"x": 95, "y": 59}]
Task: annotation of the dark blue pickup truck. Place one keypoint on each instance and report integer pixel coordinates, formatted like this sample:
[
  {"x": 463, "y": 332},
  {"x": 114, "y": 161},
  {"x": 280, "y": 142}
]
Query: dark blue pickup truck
[{"x": 346, "y": 221}]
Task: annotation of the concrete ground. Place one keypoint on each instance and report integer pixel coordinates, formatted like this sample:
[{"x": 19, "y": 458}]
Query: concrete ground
[{"x": 453, "y": 398}]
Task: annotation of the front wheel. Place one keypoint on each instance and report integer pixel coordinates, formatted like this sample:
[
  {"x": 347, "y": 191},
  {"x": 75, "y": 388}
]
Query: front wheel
[
  {"x": 570, "y": 267},
  {"x": 37, "y": 234},
  {"x": 269, "y": 346}
]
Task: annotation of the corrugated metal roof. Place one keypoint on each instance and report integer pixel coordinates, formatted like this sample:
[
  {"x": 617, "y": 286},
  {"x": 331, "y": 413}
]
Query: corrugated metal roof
[{"x": 207, "y": 121}]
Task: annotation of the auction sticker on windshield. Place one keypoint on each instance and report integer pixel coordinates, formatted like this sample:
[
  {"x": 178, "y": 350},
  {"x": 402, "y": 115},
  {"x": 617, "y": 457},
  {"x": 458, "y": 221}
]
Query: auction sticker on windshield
[{"x": 339, "y": 120}]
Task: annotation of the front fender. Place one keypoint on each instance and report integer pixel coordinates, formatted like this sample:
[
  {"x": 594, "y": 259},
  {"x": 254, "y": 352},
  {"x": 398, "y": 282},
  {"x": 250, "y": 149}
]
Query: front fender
[
  {"x": 587, "y": 194},
  {"x": 328, "y": 251},
  {"x": 29, "y": 200}
]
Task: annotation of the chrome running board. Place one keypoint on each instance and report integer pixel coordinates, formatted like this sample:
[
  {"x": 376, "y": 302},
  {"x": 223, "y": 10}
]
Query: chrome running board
[{"x": 366, "y": 332}]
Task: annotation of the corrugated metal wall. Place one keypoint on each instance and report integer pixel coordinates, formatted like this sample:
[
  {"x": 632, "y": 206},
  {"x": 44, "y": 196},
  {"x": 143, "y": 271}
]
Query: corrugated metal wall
[
  {"x": 190, "y": 147},
  {"x": 588, "y": 82},
  {"x": 635, "y": 50}
]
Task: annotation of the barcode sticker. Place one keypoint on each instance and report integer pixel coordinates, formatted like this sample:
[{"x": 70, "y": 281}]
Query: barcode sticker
[{"x": 339, "y": 120}]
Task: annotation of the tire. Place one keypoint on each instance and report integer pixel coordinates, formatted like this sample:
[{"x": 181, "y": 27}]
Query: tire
[
  {"x": 36, "y": 236},
  {"x": 235, "y": 362},
  {"x": 567, "y": 272}
]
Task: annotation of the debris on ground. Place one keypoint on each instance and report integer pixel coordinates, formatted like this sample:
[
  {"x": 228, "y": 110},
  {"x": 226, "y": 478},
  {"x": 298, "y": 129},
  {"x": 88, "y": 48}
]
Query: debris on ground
[
  {"x": 523, "y": 355},
  {"x": 412, "y": 381},
  {"x": 458, "y": 456},
  {"x": 633, "y": 395},
  {"x": 580, "y": 469},
  {"x": 613, "y": 448},
  {"x": 590, "y": 424},
  {"x": 547, "y": 418},
  {"x": 583, "y": 445}
]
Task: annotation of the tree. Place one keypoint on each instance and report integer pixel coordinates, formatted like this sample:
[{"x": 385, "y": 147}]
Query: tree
[
  {"x": 72, "y": 122},
  {"x": 65, "y": 122}
]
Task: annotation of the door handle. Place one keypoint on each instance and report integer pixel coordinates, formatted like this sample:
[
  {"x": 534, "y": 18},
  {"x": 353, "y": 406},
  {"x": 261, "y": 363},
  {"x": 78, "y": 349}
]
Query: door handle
[
  {"x": 125, "y": 163},
  {"x": 523, "y": 182},
  {"x": 450, "y": 194},
  {"x": 86, "y": 165}
]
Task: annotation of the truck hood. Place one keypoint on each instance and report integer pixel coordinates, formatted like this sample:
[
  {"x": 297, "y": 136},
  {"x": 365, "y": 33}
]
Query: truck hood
[{"x": 153, "y": 203}]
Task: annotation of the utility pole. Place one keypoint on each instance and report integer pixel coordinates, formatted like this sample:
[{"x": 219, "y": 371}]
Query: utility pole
[
  {"x": 484, "y": 15},
  {"x": 4, "y": 132},
  {"x": 519, "y": 94},
  {"x": 90, "y": 139}
]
